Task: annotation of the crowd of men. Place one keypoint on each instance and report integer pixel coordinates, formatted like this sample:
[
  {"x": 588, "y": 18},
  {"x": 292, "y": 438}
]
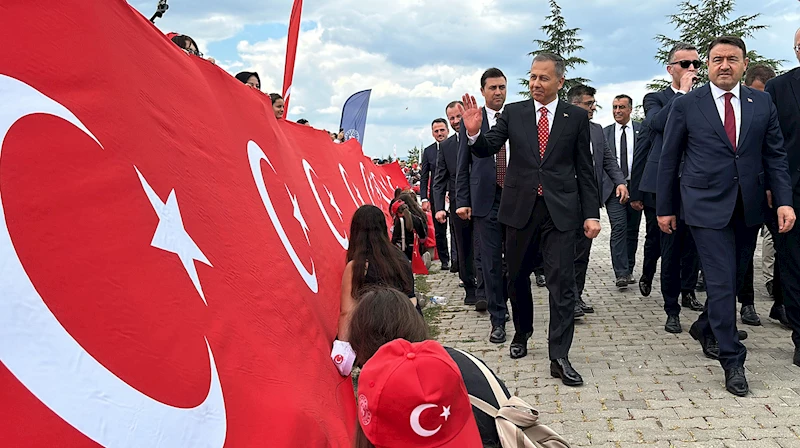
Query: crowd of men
[{"x": 520, "y": 186}]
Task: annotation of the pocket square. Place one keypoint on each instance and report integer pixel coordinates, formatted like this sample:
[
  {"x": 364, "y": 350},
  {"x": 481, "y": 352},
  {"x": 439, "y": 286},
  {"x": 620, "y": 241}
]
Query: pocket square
[{"x": 749, "y": 100}]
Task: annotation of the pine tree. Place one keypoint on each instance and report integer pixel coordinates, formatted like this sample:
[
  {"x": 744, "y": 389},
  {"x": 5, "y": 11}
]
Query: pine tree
[
  {"x": 561, "y": 41},
  {"x": 413, "y": 156},
  {"x": 701, "y": 21}
]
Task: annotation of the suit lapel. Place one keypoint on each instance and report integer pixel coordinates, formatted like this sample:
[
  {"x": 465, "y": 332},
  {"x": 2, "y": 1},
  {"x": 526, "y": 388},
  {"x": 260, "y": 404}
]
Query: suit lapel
[
  {"x": 796, "y": 85},
  {"x": 529, "y": 116},
  {"x": 748, "y": 108},
  {"x": 559, "y": 122},
  {"x": 708, "y": 107}
]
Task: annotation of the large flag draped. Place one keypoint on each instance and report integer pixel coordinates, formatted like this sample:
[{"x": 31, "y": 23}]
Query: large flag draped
[
  {"x": 291, "y": 51},
  {"x": 170, "y": 254},
  {"x": 354, "y": 116}
]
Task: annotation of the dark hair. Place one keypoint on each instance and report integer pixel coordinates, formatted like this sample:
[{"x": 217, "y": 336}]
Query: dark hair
[
  {"x": 397, "y": 192},
  {"x": 245, "y": 76},
  {"x": 680, "y": 46},
  {"x": 759, "y": 72},
  {"x": 577, "y": 93},
  {"x": 561, "y": 67},
  {"x": 452, "y": 104},
  {"x": 410, "y": 199},
  {"x": 181, "y": 40},
  {"x": 728, "y": 40},
  {"x": 382, "y": 315},
  {"x": 623, "y": 96},
  {"x": 369, "y": 240},
  {"x": 302, "y": 121},
  {"x": 275, "y": 97},
  {"x": 439, "y": 120},
  {"x": 491, "y": 73}
]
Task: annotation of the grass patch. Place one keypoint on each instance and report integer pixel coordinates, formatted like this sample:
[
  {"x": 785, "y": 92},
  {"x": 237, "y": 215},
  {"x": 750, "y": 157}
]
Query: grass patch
[
  {"x": 431, "y": 315},
  {"x": 421, "y": 284}
]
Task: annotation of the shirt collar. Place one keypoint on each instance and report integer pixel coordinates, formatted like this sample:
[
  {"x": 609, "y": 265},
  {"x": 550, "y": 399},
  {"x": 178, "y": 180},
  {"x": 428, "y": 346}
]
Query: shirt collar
[
  {"x": 491, "y": 113},
  {"x": 628, "y": 124},
  {"x": 674, "y": 90},
  {"x": 717, "y": 92},
  {"x": 551, "y": 107}
]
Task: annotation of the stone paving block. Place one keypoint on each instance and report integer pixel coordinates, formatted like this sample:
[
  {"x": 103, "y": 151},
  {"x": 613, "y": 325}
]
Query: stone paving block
[
  {"x": 793, "y": 442},
  {"x": 766, "y": 443}
]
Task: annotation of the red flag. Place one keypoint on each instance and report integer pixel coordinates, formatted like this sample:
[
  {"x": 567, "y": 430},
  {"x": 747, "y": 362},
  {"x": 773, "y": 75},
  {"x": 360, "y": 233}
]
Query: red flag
[
  {"x": 291, "y": 52},
  {"x": 171, "y": 254}
]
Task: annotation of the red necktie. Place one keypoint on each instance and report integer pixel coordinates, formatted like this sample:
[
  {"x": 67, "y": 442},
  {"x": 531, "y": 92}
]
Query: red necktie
[
  {"x": 544, "y": 134},
  {"x": 501, "y": 161},
  {"x": 730, "y": 120}
]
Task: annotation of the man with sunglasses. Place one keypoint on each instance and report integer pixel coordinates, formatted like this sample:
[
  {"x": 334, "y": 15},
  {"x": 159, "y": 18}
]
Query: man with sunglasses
[
  {"x": 722, "y": 148},
  {"x": 679, "y": 261},
  {"x": 785, "y": 93}
]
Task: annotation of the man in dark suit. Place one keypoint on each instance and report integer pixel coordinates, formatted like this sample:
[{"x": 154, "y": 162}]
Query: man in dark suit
[
  {"x": 622, "y": 137},
  {"x": 646, "y": 203},
  {"x": 429, "y": 157},
  {"x": 460, "y": 229},
  {"x": 478, "y": 191},
  {"x": 679, "y": 261},
  {"x": 549, "y": 191},
  {"x": 610, "y": 182},
  {"x": 731, "y": 143},
  {"x": 785, "y": 93}
]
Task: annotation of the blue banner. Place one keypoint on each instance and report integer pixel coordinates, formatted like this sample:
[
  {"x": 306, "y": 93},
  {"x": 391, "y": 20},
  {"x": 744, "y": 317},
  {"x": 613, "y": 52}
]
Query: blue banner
[{"x": 354, "y": 116}]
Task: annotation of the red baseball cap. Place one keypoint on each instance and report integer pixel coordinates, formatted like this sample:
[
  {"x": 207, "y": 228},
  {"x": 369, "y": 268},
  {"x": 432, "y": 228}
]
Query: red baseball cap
[
  {"x": 413, "y": 395},
  {"x": 396, "y": 206}
]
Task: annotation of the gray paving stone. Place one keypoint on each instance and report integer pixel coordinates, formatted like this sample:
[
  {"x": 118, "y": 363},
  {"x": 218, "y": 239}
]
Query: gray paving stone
[{"x": 643, "y": 386}]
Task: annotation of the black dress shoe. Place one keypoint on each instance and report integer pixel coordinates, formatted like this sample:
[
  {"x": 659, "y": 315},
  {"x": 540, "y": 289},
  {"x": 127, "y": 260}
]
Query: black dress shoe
[
  {"x": 470, "y": 300},
  {"x": 561, "y": 368},
  {"x": 742, "y": 335},
  {"x": 498, "y": 335},
  {"x": 579, "y": 311},
  {"x": 701, "y": 283},
  {"x": 540, "y": 281},
  {"x": 673, "y": 324},
  {"x": 460, "y": 284},
  {"x": 481, "y": 305},
  {"x": 454, "y": 269},
  {"x": 645, "y": 286},
  {"x": 622, "y": 282},
  {"x": 778, "y": 312},
  {"x": 519, "y": 346},
  {"x": 585, "y": 307},
  {"x": 445, "y": 266},
  {"x": 796, "y": 359},
  {"x": 631, "y": 281},
  {"x": 749, "y": 315},
  {"x": 770, "y": 284},
  {"x": 709, "y": 344},
  {"x": 688, "y": 300},
  {"x": 736, "y": 382}
]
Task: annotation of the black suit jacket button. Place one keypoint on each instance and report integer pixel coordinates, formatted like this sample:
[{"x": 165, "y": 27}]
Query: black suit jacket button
[
  {"x": 540, "y": 170},
  {"x": 737, "y": 157},
  {"x": 736, "y": 179}
]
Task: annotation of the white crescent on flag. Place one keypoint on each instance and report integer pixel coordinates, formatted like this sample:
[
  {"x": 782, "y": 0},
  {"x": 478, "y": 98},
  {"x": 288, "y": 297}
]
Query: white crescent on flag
[{"x": 48, "y": 361}]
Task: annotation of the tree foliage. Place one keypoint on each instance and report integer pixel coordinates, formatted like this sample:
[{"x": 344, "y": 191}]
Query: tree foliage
[
  {"x": 562, "y": 41},
  {"x": 699, "y": 22},
  {"x": 413, "y": 155}
]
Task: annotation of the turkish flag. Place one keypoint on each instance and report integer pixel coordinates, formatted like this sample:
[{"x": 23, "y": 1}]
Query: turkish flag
[{"x": 170, "y": 254}]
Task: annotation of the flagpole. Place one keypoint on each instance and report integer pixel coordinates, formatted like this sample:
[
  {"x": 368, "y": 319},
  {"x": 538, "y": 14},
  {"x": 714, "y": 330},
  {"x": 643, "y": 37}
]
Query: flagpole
[{"x": 291, "y": 52}]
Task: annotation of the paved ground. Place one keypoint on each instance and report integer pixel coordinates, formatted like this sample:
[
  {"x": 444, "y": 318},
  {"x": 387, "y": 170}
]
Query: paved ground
[{"x": 643, "y": 386}]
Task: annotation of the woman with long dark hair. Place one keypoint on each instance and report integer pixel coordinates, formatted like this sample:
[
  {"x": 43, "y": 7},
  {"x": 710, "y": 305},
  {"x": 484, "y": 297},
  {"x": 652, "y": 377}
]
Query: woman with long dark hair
[
  {"x": 371, "y": 260},
  {"x": 414, "y": 221}
]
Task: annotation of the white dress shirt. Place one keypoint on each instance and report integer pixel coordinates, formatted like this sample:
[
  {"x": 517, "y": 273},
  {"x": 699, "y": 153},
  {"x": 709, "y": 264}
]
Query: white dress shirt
[
  {"x": 491, "y": 116},
  {"x": 719, "y": 100},
  {"x": 618, "y": 138},
  {"x": 551, "y": 113}
]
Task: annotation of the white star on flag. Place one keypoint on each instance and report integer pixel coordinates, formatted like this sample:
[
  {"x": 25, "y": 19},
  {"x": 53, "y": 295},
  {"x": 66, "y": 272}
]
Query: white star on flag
[
  {"x": 171, "y": 234},
  {"x": 297, "y": 214},
  {"x": 358, "y": 193},
  {"x": 445, "y": 413},
  {"x": 333, "y": 202}
]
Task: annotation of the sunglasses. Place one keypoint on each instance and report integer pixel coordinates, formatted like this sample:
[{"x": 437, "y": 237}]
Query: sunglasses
[{"x": 685, "y": 64}]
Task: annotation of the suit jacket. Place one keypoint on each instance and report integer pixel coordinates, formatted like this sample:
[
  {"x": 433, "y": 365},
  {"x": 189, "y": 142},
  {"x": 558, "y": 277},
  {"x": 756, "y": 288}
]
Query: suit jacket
[
  {"x": 566, "y": 172},
  {"x": 713, "y": 173},
  {"x": 445, "y": 180},
  {"x": 477, "y": 177},
  {"x": 656, "y": 108},
  {"x": 608, "y": 174},
  {"x": 429, "y": 157},
  {"x": 641, "y": 151},
  {"x": 785, "y": 92}
]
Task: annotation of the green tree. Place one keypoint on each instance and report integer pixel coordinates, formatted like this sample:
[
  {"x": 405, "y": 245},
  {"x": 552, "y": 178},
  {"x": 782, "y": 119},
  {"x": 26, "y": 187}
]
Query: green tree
[
  {"x": 413, "y": 156},
  {"x": 562, "y": 41},
  {"x": 699, "y": 22}
]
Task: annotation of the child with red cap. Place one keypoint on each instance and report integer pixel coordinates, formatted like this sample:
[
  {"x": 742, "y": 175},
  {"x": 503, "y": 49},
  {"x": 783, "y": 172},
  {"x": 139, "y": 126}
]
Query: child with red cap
[{"x": 413, "y": 395}]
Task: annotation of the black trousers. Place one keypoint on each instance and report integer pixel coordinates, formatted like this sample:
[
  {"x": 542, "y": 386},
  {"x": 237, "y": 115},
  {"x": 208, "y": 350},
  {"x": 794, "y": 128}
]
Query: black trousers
[
  {"x": 725, "y": 254},
  {"x": 463, "y": 241},
  {"x": 679, "y": 266},
  {"x": 786, "y": 284},
  {"x": 747, "y": 291},
  {"x": 489, "y": 257},
  {"x": 652, "y": 244},
  {"x": 440, "y": 229},
  {"x": 583, "y": 248},
  {"x": 558, "y": 251}
]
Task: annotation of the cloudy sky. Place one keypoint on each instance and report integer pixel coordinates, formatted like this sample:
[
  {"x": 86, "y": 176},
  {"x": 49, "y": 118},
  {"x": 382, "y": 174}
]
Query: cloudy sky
[{"x": 417, "y": 55}]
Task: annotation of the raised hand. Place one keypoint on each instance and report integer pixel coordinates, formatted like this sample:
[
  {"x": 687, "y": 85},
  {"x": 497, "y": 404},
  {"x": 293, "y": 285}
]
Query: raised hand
[{"x": 471, "y": 114}]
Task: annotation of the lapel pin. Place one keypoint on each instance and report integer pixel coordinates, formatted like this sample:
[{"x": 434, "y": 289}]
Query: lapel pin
[
  {"x": 566, "y": 115},
  {"x": 749, "y": 100}
]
